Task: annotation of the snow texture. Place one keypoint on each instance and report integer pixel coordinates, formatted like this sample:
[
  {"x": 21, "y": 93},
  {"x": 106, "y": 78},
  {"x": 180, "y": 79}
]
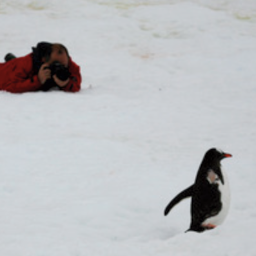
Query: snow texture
[{"x": 90, "y": 173}]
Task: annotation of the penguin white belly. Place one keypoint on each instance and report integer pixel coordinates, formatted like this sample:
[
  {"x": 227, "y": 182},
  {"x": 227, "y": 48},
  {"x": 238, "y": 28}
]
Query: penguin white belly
[{"x": 225, "y": 200}]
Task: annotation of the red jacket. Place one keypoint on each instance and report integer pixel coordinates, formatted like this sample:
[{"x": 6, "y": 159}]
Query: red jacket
[{"x": 18, "y": 76}]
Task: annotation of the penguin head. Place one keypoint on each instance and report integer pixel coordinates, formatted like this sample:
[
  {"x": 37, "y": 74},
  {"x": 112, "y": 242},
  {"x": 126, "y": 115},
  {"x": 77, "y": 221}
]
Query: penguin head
[
  {"x": 212, "y": 160},
  {"x": 216, "y": 154}
]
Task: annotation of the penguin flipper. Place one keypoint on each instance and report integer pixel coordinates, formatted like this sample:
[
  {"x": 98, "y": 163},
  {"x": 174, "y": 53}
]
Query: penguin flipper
[{"x": 182, "y": 195}]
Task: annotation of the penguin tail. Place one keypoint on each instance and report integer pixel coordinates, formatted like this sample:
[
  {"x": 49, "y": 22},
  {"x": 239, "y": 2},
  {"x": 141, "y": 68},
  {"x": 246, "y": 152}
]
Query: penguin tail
[{"x": 182, "y": 195}]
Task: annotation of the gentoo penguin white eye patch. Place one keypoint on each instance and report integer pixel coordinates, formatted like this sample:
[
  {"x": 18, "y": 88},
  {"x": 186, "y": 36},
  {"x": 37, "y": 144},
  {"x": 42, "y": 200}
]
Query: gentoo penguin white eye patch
[{"x": 219, "y": 150}]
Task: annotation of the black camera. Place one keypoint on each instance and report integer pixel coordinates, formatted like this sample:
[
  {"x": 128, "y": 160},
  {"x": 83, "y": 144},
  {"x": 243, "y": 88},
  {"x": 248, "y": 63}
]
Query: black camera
[
  {"x": 59, "y": 70},
  {"x": 56, "y": 69}
]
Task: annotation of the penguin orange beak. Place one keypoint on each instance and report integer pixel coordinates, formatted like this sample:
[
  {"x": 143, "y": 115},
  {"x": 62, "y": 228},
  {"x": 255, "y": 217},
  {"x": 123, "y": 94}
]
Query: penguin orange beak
[{"x": 227, "y": 155}]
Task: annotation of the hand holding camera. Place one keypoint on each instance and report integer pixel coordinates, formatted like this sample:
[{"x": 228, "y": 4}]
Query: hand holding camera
[
  {"x": 44, "y": 73},
  {"x": 54, "y": 72},
  {"x": 60, "y": 82}
]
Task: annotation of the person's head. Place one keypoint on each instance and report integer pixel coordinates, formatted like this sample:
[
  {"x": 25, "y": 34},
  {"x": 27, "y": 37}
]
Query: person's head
[
  {"x": 58, "y": 53},
  {"x": 48, "y": 53}
]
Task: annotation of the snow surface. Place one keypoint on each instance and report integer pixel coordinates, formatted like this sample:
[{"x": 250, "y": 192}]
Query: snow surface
[{"x": 90, "y": 173}]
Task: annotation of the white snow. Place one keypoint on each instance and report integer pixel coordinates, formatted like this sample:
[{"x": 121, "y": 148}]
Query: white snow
[{"x": 90, "y": 173}]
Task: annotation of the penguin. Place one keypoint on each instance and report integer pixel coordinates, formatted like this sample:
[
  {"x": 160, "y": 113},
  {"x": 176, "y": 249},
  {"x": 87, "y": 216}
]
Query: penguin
[{"x": 210, "y": 193}]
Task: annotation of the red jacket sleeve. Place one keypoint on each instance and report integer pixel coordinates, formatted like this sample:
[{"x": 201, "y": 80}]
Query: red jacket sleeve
[
  {"x": 17, "y": 76},
  {"x": 74, "y": 84}
]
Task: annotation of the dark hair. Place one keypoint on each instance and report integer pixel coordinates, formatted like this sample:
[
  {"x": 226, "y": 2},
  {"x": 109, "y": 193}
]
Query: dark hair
[{"x": 42, "y": 50}]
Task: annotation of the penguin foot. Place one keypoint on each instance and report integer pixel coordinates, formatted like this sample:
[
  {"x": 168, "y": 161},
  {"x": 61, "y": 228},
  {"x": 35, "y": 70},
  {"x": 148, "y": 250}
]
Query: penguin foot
[{"x": 208, "y": 226}]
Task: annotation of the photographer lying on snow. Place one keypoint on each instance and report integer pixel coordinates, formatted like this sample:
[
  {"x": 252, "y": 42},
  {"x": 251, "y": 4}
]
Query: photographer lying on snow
[{"x": 48, "y": 66}]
